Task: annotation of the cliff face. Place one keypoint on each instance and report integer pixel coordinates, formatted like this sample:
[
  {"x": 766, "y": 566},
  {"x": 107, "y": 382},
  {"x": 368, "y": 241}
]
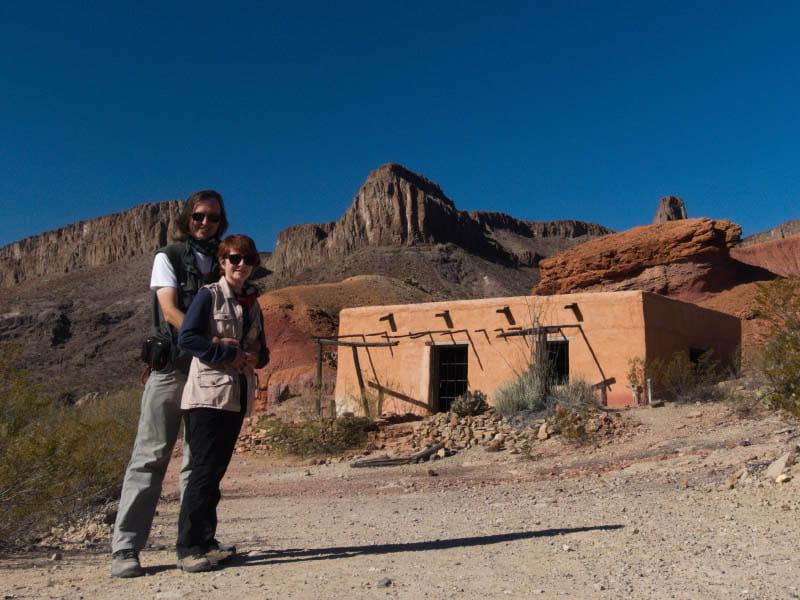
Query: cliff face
[
  {"x": 102, "y": 241},
  {"x": 396, "y": 207}
]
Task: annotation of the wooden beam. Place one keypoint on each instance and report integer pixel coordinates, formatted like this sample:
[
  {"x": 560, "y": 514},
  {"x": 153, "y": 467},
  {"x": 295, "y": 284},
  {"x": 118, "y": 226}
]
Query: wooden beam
[{"x": 335, "y": 342}]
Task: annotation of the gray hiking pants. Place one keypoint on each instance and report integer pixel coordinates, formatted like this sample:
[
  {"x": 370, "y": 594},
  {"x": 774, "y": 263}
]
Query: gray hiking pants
[{"x": 159, "y": 423}]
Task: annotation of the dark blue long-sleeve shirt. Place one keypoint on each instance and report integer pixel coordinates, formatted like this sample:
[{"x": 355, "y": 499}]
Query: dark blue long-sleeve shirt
[{"x": 194, "y": 337}]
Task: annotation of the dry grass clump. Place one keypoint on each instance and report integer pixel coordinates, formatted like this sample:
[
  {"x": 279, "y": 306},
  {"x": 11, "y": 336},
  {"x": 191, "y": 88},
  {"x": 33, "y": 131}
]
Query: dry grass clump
[
  {"x": 55, "y": 461},
  {"x": 535, "y": 392},
  {"x": 529, "y": 391},
  {"x": 314, "y": 437}
]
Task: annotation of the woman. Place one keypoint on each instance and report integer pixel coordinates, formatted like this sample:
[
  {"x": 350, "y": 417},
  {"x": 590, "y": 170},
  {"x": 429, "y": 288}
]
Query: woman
[{"x": 224, "y": 332}]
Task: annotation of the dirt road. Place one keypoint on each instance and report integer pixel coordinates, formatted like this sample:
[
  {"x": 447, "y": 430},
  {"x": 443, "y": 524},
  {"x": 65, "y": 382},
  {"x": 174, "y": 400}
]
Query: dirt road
[{"x": 650, "y": 514}]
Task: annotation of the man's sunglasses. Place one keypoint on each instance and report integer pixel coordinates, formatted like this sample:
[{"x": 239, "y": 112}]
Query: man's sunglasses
[
  {"x": 212, "y": 217},
  {"x": 250, "y": 260}
]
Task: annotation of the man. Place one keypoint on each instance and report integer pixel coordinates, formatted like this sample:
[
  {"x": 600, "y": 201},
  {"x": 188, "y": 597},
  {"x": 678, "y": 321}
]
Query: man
[{"x": 179, "y": 271}]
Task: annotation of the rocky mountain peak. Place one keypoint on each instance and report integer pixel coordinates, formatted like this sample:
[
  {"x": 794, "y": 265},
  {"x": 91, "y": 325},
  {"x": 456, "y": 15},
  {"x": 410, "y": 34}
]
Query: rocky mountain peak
[
  {"x": 670, "y": 208},
  {"x": 396, "y": 207},
  {"x": 396, "y": 174}
]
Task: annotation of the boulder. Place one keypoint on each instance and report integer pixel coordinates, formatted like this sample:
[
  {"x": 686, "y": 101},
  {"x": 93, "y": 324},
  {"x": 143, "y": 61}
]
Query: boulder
[
  {"x": 684, "y": 259},
  {"x": 670, "y": 208}
]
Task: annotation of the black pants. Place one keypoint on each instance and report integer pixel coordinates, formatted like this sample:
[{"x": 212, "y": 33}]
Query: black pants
[{"x": 211, "y": 434}]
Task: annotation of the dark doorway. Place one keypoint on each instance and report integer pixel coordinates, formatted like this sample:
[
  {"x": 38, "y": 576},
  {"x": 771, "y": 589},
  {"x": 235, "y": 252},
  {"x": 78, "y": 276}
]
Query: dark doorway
[
  {"x": 696, "y": 355},
  {"x": 558, "y": 355},
  {"x": 450, "y": 374}
]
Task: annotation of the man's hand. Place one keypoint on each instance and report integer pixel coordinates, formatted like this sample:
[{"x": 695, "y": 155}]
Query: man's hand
[{"x": 226, "y": 341}]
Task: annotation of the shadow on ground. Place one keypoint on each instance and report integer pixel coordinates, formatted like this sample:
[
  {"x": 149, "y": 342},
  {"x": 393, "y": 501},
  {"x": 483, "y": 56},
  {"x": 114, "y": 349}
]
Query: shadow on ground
[{"x": 308, "y": 554}]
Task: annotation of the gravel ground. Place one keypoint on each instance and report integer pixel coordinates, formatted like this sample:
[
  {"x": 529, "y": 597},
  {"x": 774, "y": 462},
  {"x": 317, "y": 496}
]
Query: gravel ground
[{"x": 651, "y": 513}]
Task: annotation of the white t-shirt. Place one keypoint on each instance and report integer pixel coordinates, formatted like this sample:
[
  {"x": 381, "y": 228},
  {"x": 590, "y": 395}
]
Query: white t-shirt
[{"x": 164, "y": 275}]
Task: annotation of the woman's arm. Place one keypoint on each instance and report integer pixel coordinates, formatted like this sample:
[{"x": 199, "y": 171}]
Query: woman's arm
[{"x": 194, "y": 337}]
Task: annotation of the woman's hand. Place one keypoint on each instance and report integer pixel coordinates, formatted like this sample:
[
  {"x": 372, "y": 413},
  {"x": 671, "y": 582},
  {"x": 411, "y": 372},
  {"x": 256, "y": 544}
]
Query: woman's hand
[{"x": 244, "y": 361}]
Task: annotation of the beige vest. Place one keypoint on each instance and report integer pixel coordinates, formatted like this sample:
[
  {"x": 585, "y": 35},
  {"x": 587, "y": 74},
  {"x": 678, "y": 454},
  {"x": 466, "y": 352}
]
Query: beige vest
[{"x": 217, "y": 386}]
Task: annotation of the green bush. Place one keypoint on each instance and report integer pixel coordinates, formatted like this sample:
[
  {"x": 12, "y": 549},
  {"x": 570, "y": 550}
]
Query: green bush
[
  {"x": 55, "y": 461},
  {"x": 778, "y": 303},
  {"x": 317, "y": 436},
  {"x": 470, "y": 403}
]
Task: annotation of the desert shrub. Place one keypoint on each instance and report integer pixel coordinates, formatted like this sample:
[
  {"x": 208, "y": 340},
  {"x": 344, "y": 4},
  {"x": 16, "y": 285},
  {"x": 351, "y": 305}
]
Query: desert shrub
[
  {"x": 55, "y": 461},
  {"x": 21, "y": 400},
  {"x": 575, "y": 402},
  {"x": 529, "y": 391},
  {"x": 470, "y": 403},
  {"x": 570, "y": 424},
  {"x": 535, "y": 391},
  {"x": 778, "y": 303},
  {"x": 311, "y": 437},
  {"x": 678, "y": 378}
]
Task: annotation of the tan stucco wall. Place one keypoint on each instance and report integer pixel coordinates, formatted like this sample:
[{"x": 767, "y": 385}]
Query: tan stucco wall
[
  {"x": 672, "y": 326},
  {"x": 616, "y": 327},
  {"x": 610, "y": 334}
]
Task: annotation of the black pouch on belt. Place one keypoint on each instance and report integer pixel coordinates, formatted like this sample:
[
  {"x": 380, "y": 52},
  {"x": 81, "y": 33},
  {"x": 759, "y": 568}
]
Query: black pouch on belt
[{"x": 156, "y": 352}]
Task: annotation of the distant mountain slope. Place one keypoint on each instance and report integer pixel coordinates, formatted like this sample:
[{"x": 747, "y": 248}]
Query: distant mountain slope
[{"x": 784, "y": 230}]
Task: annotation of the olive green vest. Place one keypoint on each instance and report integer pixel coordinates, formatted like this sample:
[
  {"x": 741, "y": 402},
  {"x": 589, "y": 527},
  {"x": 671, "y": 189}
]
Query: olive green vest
[{"x": 190, "y": 280}]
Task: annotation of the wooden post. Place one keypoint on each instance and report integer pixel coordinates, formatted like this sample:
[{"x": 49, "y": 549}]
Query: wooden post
[
  {"x": 380, "y": 402},
  {"x": 361, "y": 388}
]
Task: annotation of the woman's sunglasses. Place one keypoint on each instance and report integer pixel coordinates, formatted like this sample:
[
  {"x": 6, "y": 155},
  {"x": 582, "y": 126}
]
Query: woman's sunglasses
[
  {"x": 212, "y": 217},
  {"x": 250, "y": 260}
]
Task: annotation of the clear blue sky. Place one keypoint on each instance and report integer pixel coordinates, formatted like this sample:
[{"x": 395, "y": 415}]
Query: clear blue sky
[{"x": 543, "y": 110}]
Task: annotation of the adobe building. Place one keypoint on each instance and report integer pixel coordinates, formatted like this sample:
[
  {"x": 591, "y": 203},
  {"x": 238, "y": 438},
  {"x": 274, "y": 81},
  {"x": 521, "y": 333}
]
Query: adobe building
[{"x": 419, "y": 357}]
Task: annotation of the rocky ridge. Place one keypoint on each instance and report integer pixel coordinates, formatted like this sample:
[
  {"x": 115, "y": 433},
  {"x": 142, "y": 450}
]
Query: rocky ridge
[
  {"x": 397, "y": 207},
  {"x": 784, "y": 230},
  {"x": 119, "y": 236}
]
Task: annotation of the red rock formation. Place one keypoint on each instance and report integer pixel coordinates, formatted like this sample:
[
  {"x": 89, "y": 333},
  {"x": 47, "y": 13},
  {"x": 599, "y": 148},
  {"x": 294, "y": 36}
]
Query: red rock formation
[
  {"x": 780, "y": 256},
  {"x": 102, "y": 241},
  {"x": 683, "y": 259}
]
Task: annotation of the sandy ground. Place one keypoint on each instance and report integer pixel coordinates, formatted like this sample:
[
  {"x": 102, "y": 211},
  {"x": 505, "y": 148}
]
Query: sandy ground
[{"x": 647, "y": 515}]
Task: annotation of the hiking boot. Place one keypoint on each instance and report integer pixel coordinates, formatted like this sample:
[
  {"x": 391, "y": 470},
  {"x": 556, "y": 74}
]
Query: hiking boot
[
  {"x": 125, "y": 563},
  {"x": 220, "y": 552},
  {"x": 196, "y": 563}
]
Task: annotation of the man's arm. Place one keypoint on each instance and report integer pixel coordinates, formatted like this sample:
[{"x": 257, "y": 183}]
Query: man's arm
[{"x": 168, "y": 301}]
